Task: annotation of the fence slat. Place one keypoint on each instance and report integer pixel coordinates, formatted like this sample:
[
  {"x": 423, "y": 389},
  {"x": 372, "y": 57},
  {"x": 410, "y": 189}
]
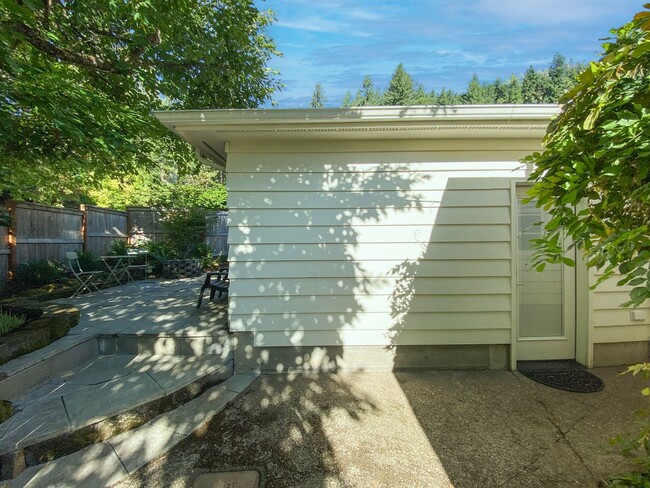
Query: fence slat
[
  {"x": 103, "y": 226},
  {"x": 216, "y": 232},
  {"x": 144, "y": 223},
  {"x": 42, "y": 232}
]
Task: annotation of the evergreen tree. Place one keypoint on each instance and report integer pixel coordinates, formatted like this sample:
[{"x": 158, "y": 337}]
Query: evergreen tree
[
  {"x": 499, "y": 91},
  {"x": 476, "y": 93},
  {"x": 400, "y": 89},
  {"x": 536, "y": 87},
  {"x": 421, "y": 97},
  {"x": 562, "y": 76},
  {"x": 347, "y": 100},
  {"x": 368, "y": 95},
  {"x": 513, "y": 91},
  {"x": 318, "y": 99},
  {"x": 449, "y": 97}
]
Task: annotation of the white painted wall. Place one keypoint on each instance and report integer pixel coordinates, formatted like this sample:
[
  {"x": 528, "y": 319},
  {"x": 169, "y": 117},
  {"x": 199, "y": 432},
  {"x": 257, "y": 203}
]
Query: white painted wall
[
  {"x": 611, "y": 322},
  {"x": 372, "y": 243}
]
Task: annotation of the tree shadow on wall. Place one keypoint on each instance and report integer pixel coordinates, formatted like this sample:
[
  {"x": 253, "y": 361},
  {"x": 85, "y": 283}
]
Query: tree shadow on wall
[{"x": 309, "y": 268}]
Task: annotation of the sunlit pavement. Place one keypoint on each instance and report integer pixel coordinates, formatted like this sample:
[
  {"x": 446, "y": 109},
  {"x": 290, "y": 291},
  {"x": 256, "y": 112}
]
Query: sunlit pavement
[{"x": 415, "y": 429}]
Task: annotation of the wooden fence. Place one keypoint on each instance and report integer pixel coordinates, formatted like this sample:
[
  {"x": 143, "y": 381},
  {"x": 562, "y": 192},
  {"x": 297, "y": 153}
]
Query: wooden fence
[
  {"x": 42, "y": 232},
  {"x": 103, "y": 226},
  {"x": 4, "y": 254},
  {"x": 216, "y": 232},
  {"x": 144, "y": 223}
]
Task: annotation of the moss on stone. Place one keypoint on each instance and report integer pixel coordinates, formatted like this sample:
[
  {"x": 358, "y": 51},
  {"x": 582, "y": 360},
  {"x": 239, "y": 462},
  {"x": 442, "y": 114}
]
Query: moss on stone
[{"x": 6, "y": 410}]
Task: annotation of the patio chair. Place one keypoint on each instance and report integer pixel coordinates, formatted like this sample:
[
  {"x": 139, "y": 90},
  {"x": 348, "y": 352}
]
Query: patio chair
[
  {"x": 216, "y": 281},
  {"x": 138, "y": 267},
  {"x": 83, "y": 277}
]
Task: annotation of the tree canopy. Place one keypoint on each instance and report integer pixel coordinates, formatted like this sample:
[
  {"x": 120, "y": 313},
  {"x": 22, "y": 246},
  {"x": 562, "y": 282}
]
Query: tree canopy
[
  {"x": 78, "y": 81},
  {"x": 597, "y": 159},
  {"x": 318, "y": 98},
  {"x": 535, "y": 86}
]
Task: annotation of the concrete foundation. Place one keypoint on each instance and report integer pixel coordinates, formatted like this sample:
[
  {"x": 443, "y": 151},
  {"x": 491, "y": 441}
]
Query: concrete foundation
[
  {"x": 621, "y": 353},
  {"x": 365, "y": 358}
]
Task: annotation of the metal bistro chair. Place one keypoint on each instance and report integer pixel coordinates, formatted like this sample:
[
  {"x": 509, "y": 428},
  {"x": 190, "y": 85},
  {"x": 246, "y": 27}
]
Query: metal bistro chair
[
  {"x": 83, "y": 277},
  {"x": 144, "y": 268},
  {"x": 220, "y": 284}
]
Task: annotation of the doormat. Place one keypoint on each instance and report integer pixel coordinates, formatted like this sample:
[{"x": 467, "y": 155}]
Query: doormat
[
  {"x": 229, "y": 479},
  {"x": 577, "y": 381}
]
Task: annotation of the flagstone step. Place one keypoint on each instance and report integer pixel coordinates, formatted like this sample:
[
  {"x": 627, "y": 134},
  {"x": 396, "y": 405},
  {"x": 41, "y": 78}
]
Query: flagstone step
[
  {"x": 106, "y": 463},
  {"x": 99, "y": 399}
]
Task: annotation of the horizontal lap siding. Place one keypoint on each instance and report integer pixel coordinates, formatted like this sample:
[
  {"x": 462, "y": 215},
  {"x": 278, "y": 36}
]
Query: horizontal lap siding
[
  {"x": 371, "y": 248},
  {"x": 611, "y": 322}
]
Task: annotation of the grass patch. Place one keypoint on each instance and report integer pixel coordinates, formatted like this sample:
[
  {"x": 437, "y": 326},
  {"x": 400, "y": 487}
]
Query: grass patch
[{"x": 9, "y": 322}]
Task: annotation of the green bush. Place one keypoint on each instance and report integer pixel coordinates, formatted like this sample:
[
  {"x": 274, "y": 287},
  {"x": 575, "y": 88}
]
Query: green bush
[
  {"x": 37, "y": 273},
  {"x": 204, "y": 252},
  {"x": 9, "y": 322},
  {"x": 159, "y": 252},
  {"x": 119, "y": 248},
  {"x": 89, "y": 262},
  {"x": 184, "y": 231},
  {"x": 636, "y": 446}
]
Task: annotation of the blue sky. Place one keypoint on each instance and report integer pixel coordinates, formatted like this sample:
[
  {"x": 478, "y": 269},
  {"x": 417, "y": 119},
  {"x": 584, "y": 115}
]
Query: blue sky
[{"x": 441, "y": 42}]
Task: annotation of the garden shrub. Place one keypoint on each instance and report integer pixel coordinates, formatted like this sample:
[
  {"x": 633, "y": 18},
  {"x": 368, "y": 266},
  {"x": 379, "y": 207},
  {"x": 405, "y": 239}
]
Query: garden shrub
[
  {"x": 89, "y": 262},
  {"x": 119, "y": 248},
  {"x": 636, "y": 446},
  {"x": 185, "y": 231},
  {"x": 37, "y": 273}
]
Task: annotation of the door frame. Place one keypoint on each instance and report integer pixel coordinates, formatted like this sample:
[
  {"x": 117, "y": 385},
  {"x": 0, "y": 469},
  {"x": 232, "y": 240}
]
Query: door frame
[{"x": 583, "y": 294}]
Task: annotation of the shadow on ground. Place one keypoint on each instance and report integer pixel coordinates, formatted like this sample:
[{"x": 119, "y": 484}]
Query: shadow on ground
[{"x": 410, "y": 429}]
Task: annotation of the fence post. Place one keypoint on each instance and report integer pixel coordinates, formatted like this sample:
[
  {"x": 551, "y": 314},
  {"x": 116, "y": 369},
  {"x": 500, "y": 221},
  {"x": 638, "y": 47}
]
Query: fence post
[{"x": 84, "y": 227}]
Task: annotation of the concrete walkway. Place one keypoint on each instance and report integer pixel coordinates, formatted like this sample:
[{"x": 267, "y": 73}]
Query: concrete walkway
[
  {"x": 417, "y": 429},
  {"x": 139, "y": 350}
]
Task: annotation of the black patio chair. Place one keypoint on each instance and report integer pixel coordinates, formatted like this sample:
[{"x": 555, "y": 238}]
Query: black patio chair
[{"x": 215, "y": 281}]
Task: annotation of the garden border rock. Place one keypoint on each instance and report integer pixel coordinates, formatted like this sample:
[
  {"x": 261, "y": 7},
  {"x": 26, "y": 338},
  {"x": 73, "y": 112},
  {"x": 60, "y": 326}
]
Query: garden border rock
[{"x": 47, "y": 322}]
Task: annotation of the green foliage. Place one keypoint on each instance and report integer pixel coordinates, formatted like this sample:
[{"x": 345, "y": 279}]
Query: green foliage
[
  {"x": 89, "y": 262},
  {"x": 596, "y": 159},
  {"x": 78, "y": 81},
  {"x": 204, "y": 253},
  {"x": 119, "y": 247},
  {"x": 400, "y": 89},
  {"x": 536, "y": 86},
  {"x": 159, "y": 252},
  {"x": 636, "y": 446},
  {"x": 37, "y": 273},
  {"x": 163, "y": 187},
  {"x": 318, "y": 98},
  {"x": 347, "y": 100},
  {"x": 9, "y": 322},
  {"x": 368, "y": 95},
  {"x": 184, "y": 231},
  {"x": 477, "y": 93}
]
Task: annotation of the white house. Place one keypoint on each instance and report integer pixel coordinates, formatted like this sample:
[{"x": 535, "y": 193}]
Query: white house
[{"x": 396, "y": 237}]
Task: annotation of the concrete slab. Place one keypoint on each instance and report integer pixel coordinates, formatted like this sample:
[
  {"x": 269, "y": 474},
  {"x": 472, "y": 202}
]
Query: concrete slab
[
  {"x": 239, "y": 382},
  {"x": 445, "y": 428},
  {"x": 174, "y": 372},
  {"x": 95, "y": 466},
  {"x": 36, "y": 422},
  {"x": 193, "y": 416},
  {"x": 98, "y": 402},
  {"x": 137, "y": 447}
]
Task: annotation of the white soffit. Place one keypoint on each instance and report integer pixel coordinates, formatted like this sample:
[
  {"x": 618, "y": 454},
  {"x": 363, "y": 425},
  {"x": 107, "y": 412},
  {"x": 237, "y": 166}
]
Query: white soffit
[{"x": 209, "y": 130}]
